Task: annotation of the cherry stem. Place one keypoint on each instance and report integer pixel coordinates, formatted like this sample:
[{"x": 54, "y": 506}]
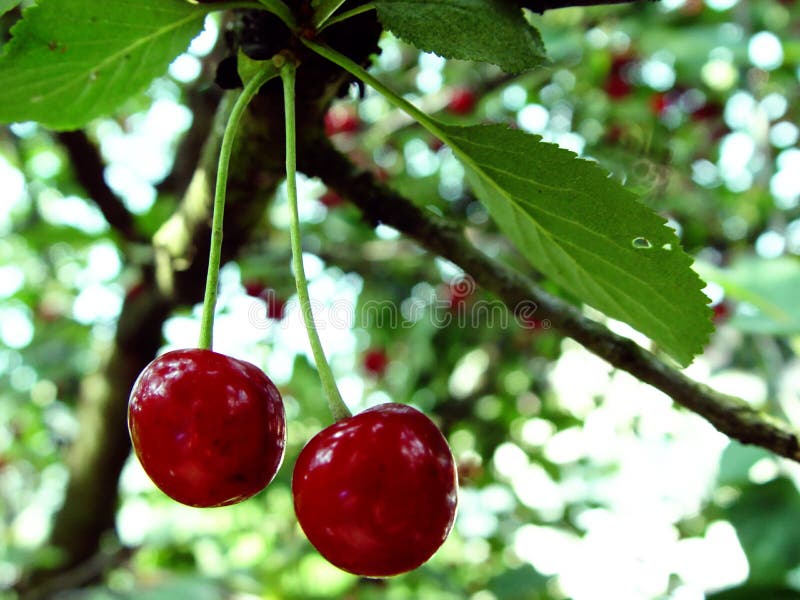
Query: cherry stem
[
  {"x": 324, "y": 11},
  {"x": 347, "y": 15},
  {"x": 362, "y": 74},
  {"x": 337, "y": 406},
  {"x": 215, "y": 253}
]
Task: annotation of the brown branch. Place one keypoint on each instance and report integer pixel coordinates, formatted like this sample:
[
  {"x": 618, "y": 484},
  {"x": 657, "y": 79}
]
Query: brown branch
[
  {"x": 540, "y": 6},
  {"x": 89, "y": 167},
  {"x": 732, "y": 416}
]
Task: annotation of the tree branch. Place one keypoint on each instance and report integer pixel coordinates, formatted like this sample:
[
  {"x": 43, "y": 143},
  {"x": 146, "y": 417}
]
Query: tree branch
[
  {"x": 89, "y": 168},
  {"x": 540, "y": 6},
  {"x": 732, "y": 416}
]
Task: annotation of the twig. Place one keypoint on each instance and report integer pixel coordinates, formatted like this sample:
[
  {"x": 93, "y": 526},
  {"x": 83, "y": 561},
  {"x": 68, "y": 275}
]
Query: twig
[
  {"x": 540, "y": 6},
  {"x": 89, "y": 168},
  {"x": 730, "y": 415}
]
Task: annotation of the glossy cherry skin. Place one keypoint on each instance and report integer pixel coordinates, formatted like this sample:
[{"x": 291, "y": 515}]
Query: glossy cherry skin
[
  {"x": 208, "y": 429},
  {"x": 376, "y": 493}
]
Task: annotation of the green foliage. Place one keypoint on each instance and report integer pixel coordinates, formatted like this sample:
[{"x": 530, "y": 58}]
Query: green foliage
[
  {"x": 736, "y": 462},
  {"x": 771, "y": 544},
  {"x": 768, "y": 287},
  {"x": 71, "y": 61},
  {"x": 186, "y": 587},
  {"x": 7, "y": 5},
  {"x": 493, "y": 31},
  {"x": 522, "y": 583},
  {"x": 595, "y": 458},
  {"x": 588, "y": 233}
]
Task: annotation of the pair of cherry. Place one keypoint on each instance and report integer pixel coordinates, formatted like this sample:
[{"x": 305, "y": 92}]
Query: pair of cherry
[{"x": 375, "y": 493}]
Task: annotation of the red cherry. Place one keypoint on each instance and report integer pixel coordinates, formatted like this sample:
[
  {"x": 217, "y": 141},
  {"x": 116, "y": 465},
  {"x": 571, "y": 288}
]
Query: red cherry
[
  {"x": 659, "y": 103},
  {"x": 708, "y": 111},
  {"x": 532, "y": 323},
  {"x": 375, "y": 362},
  {"x": 276, "y": 307},
  {"x": 254, "y": 288},
  {"x": 462, "y": 101},
  {"x": 615, "y": 133},
  {"x": 617, "y": 87},
  {"x": 208, "y": 429},
  {"x": 341, "y": 118},
  {"x": 722, "y": 311},
  {"x": 376, "y": 493},
  {"x": 618, "y": 83},
  {"x": 458, "y": 293},
  {"x": 331, "y": 199}
]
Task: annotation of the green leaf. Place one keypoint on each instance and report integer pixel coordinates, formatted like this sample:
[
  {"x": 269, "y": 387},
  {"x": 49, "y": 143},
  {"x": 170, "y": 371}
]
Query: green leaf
[
  {"x": 767, "y": 291},
  {"x": 756, "y": 592},
  {"x": 736, "y": 461},
  {"x": 72, "y": 60},
  {"x": 247, "y": 67},
  {"x": 587, "y": 233},
  {"x": 765, "y": 518},
  {"x": 520, "y": 583},
  {"x": 493, "y": 31},
  {"x": 7, "y": 5}
]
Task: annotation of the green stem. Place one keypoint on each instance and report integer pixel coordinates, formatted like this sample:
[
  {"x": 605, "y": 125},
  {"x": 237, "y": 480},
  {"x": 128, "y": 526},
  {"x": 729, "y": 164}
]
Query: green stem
[
  {"x": 324, "y": 11},
  {"x": 347, "y": 15},
  {"x": 215, "y": 253},
  {"x": 359, "y": 72},
  {"x": 433, "y": 126},
  {"x": 337, "y": 406}
]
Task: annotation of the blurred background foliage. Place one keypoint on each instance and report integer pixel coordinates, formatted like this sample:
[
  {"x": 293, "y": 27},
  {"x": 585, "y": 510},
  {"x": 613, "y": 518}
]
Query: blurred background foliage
[{"x": 577, "y": 481}]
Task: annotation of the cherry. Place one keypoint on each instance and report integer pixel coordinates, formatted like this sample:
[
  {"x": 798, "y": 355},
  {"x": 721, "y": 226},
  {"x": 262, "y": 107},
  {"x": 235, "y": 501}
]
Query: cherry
[
  {"x": 276, "y": 307},
  {"x": 462, "y": 101},
  {"x": 376, "y": 493},
  {"x": 532, "y": 323},
  {"x": 375, "y": 362},
  {"x": 618, "y": 83},
  {"x": 708, "y": 111},
  {"x": 457, "y": 294},
  {"x": 341, "y": 118},
  {"x": 722, "y": 311},
  {"x": 331, "y": 199},
  {"x": 207, "y": 428},
  {"x": 660, "y": 103}
]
